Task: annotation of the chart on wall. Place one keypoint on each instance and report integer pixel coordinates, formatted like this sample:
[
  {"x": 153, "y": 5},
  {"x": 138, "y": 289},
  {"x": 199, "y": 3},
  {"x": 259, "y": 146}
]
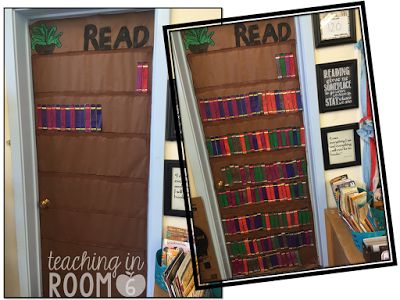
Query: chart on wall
[
  {"x": 92, "y": 90},
  {"x": 246, "y": 82}
]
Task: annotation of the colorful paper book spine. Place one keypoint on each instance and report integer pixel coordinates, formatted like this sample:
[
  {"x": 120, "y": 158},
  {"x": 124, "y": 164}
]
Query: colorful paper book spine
[
  {"x": 145, "y": 77},
  {"x": 251, "y": 247},
  {"x": 78, "y": 117},
  {"x": 139, "y": 74},
  {"x": 285, "y": 65},
  {"x": 265, "y": 193},
  {"x": 142, "y": 77},
  {"x": 266, "y": 221},
  {"x": 267, "y": 140},
  {"x": 257, "y": 103},
  {"x": 263, "y": 173},
  {"x": 246, "y": 266}
]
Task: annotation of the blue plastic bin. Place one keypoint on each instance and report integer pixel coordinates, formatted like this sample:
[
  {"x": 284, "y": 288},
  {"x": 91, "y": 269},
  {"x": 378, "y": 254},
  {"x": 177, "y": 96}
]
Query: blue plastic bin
[
  {"x": 379, "y": 217},
  {"x": 160, "y": 271}
]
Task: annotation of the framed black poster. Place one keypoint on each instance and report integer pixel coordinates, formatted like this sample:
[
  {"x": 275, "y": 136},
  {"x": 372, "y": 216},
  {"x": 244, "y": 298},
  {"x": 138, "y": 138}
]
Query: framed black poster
[
  {"x": 341, "y": 146},
  {"x": 334, "y": 28},
  {"x": 170, "y": 134},
  {"x": 337, "y": 85},
  {"x": 174, "y": 204}
]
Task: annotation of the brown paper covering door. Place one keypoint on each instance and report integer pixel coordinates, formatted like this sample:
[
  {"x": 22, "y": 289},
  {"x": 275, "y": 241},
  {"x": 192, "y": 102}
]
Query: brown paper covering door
[
  {"x": 97, "y": 182},
  {"x": 226, "y": 70}
]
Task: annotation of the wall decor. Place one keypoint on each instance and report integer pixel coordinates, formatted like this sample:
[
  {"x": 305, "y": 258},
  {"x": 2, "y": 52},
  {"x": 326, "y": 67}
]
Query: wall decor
[
  {"x": 174, "y": 204},
  {"x": 197, "y": 40},
  {"x": 93, "y": 123},
  {"x": 45, "y": 38},
  {"x": 334, "y": 28},
  {"x": 100, "y": 38},
  {"x": 337, "y": 85},
  {"x": 341, "y": 146},
  {"x": 241, "y": 121},
  {"x": 170, "y": 134}
]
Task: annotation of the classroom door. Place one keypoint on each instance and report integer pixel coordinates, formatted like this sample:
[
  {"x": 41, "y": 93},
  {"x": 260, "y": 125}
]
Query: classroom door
[
  {"x": 92, "y": 79},
  {"x": 249, "y": 100}
]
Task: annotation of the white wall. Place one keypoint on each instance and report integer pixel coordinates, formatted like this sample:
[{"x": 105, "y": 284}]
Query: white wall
[{"x": 332, "y": 54}]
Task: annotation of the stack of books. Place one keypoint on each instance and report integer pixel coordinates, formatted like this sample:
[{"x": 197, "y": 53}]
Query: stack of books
[
  {"x": 176, "y": 240},
  {"x": 177, "y": 234},
  {"x": 352, "y": 204},
  {"x": 179, "y": 278}
]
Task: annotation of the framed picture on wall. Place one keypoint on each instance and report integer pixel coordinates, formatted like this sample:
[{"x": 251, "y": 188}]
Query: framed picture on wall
[
  {"x": 170, "y": 134},
  {"x": 334, "y": 28},
  {"x": 174, "y": 203},
  {"x": 341, "y": 146},
  {"x": 337, "y": 85}
]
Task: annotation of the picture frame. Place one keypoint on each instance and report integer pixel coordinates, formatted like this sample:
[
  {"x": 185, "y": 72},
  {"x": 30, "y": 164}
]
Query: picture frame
[
  {"x": 341, "y": 146},
  {"x": 337, "y": 84},
  {"x": 174, "y": 203},
  {"x": 170, "y": 133},
  {"x": 334, "y": 31}
]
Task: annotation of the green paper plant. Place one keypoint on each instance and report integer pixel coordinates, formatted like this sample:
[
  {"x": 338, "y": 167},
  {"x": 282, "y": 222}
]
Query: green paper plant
[
  {"x": 43, "y": 36},
  {"x": 197, "y": 37}
]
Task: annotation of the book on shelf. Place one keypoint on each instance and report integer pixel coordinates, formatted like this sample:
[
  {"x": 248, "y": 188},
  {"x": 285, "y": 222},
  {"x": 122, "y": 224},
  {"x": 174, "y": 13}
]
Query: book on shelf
[
  {"x": 352, "y": 204},
  {"x": 177, "y": 234},
  {"x": 176, "y": 238},
  {"x": 179, "y": 277}
]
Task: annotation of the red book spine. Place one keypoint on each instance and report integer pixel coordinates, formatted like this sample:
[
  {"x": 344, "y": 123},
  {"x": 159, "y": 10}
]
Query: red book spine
[
  {"x": 272, "y": 102},
  {"x": 265, "y": 103},
  {"x": 302, "y": 136},
  {"x": 203, "y": 111},
  {"x": 39, "y": 117},
  {"x": 145, "y": 78},
  {"x": 293, "y": 99}
]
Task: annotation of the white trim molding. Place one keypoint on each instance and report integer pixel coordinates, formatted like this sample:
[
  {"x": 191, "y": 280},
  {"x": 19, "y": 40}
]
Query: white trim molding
[
  {"x": 197, "y": 153},
  {"x": 308, "y": 85},
  {"x": 22, "y": 130},
  {"x": 157, "y": 145},
  {"x": 23, "y": 154}
]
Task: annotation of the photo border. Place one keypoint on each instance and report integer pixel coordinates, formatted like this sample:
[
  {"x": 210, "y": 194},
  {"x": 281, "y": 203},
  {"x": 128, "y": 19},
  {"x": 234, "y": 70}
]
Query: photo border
[
  {"x": 354, "y": 88},
  {"x": 170, "y": 134},
  {"x": 168, "y": 210},
  {"x": 335, "y": 42},
  {"x": 180, "y": 141},
  {"x": 357, "y": 149}
]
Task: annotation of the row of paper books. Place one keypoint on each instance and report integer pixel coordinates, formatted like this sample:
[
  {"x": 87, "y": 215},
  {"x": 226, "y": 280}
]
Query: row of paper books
[{"x": 352, "y": 204}]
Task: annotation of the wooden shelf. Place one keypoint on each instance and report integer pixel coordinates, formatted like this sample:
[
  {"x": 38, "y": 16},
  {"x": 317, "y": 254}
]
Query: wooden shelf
[{"x": 341, "y": 248}]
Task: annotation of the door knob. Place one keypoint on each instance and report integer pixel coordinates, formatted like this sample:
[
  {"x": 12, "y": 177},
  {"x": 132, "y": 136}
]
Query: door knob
[
  {"x": 220, "y": 185},
  {"x": 45, "y": 203}
]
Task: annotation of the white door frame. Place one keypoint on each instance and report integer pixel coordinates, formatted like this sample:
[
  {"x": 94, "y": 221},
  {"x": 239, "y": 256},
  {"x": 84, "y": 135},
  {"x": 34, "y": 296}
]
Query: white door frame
[
  {"x": 197, "y": 152},
  {"x": 309, "y": 93},
  {"x": 23, "y": 140}
]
